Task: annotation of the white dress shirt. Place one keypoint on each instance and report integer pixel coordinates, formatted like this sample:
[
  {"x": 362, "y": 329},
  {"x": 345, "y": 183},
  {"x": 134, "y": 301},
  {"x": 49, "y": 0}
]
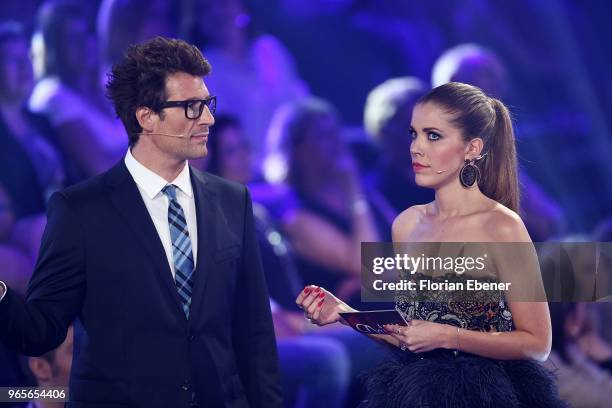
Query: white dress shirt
[{"x": 150, "y": 186}]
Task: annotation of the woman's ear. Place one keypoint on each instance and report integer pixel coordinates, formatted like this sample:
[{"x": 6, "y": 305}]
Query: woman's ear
[
  {"x": 146, "y": 118},
  {"x": 474, "y": 148}
]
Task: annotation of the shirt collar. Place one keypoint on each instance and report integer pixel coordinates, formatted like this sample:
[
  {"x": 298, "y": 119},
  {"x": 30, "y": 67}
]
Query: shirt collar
[{"x": 152, "y": 183}]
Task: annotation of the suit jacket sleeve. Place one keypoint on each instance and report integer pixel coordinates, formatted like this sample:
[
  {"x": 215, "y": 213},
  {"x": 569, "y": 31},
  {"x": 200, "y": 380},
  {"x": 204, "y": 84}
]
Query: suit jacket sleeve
[
  {"x": 253, "y": 331},
  {"x": 55, "y": 292}
]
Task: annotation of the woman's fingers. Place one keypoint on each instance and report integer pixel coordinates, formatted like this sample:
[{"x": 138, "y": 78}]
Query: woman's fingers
[
  {"x": 316, "y": 302},
  {"x": 311, "y": 298},
  {"x": 317, "y": 313},
  {"x": 394, "y": 330},
  {"x": 304, "y": 294},
  {"x": 398, "y": 332},
  {"x": 406, "y": 338},
  {"x": 308, "y": 296}
]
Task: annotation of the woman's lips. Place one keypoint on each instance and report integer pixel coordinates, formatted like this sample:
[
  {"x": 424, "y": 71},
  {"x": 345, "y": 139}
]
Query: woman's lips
[{"x": 418, "y": 167}]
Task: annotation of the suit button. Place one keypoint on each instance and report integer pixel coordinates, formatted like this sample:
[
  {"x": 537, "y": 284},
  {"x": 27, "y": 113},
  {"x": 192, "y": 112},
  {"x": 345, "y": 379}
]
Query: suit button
[
  {"x": 191, "y": 337},
  {"x": 186, "y": 386}
]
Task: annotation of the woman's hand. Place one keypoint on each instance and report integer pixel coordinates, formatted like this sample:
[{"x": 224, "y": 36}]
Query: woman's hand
[
  {"x": 320, "y": 306},
  {"x": 421, "y": 336}
]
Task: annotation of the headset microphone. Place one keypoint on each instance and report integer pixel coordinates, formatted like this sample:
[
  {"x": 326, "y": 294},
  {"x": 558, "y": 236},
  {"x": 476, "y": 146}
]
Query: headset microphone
[{"x": 164, "y": 134}]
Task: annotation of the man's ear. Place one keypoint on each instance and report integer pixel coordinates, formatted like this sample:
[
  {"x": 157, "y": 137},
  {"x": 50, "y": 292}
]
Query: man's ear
[
  {"x": 40, "y": 368},
  {"x": 474, "y": 148},
  {"x": 147, "y": 119}
]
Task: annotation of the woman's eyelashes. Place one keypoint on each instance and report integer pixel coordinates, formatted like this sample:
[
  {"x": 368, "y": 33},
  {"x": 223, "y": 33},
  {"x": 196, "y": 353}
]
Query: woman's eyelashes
[
  {"x": 413, "y": 133},
  {"x": 432, "y": 136}
]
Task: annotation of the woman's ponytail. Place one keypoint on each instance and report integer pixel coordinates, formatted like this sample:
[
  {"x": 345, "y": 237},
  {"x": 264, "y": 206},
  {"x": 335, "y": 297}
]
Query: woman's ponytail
[{"x": 499, "y": 169}]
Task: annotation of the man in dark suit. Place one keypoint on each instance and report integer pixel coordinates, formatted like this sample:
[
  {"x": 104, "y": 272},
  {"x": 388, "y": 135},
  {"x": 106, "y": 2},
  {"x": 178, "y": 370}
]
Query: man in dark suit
[{"x": 157, "y": 261}]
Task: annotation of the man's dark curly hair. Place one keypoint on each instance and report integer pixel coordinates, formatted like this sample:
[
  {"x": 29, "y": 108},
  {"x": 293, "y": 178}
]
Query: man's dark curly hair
[{"x": 140, "y": 78}]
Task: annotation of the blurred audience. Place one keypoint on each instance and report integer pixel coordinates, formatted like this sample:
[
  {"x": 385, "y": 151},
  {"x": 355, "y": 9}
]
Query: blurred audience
[
  {"x": 579, "y": 357},
  {"x": 69, "y": 92},
  {"x": 121, "y": 23},
  {"x": 387, "y": 117},
  {"x": 252, "y": 74},
  {"x": 30, "y": 168},
  {"x": 52, "y": 369},
  {"x": 472, "y": 64},
  {"x": 603, "y": 235},
  {"x": 306, "y": 381},
  {"x": 344, "y": 48},
  {"x": 314, "y": 370},
  {"x": 17, "y": 265},
  {"x": 603, "y": 230},
  {"x": 229, "y": 150},
  {"x": 476, "y": 65},
  {"x": 329, "y": 215}
]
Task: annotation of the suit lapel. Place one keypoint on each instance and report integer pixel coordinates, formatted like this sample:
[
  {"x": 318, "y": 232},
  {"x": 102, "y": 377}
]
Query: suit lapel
[
  {"x": 128, "y": 202},
  {"x": 206, "y": 214}
]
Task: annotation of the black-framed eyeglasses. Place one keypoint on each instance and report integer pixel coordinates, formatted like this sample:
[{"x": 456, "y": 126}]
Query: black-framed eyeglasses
[{"x": 193, "y": 107}]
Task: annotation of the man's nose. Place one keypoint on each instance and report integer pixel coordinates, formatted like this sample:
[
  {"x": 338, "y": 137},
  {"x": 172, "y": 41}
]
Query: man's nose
[{"x": 207, "y": 118}]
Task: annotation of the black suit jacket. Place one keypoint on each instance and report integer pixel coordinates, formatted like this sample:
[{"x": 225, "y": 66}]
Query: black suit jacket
[{"x": 101, "y": 261}]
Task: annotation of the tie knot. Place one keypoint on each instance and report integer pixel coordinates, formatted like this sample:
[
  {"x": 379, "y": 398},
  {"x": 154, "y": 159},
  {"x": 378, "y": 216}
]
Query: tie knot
[{"x": 170, "y": 191}]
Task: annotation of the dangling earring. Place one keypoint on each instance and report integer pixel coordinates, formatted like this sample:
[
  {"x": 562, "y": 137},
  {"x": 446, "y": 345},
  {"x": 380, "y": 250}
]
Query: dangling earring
[{"x": 470, "y": 173}]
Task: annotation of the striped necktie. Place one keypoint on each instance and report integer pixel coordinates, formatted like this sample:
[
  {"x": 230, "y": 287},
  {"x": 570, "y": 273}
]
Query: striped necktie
[{"x": 181, "y": 248}]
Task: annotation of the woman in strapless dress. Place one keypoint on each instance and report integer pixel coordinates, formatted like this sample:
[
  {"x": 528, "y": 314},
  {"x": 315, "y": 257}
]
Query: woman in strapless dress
[{"x": 460, "y": 353}]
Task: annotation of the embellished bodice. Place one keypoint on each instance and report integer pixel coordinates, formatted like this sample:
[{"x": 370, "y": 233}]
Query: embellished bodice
[{"x": 472, "y": 310}]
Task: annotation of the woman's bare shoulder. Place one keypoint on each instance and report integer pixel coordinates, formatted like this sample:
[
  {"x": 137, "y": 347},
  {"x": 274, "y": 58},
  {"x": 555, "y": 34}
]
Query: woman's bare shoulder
[
  {"x": 405, "y": 222},
  {"x": 504, "y": 225}
]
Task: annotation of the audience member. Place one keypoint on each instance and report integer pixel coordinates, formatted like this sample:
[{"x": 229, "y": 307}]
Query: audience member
[
  {"x": 329, "y": 216},
  {"x": 252, "y": 74},
  {"x": 581, "y": 381},
  {"x": 30, "y": 168},
  {"x": 69, "y": 92},
  {"x": 387, "y": 118},
  {"x": 121, "y": 23},
  {"x": 17, "y": 266},
  {"x": 52, "y": 369}
]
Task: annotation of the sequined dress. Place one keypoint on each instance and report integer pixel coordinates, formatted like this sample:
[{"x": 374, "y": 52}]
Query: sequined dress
[{"x": 450, "y": 378}]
